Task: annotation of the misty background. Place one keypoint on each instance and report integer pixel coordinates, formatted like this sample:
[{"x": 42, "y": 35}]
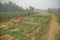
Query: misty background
[
  {"x": 42, "y": 7},
  {"x": 38, "y": 4}
]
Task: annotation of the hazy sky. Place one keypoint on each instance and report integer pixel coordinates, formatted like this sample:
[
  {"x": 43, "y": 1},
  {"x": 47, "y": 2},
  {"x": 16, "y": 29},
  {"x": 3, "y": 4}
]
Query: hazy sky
[{"x": 40, "y": 4}]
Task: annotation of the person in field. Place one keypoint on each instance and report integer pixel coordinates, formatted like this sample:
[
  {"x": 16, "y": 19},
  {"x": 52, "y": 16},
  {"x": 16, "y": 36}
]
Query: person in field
[{"x": 21, "y": 19}]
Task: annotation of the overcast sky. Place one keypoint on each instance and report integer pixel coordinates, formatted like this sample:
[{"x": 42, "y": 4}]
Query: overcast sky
[{"x": 40, "y": 4}]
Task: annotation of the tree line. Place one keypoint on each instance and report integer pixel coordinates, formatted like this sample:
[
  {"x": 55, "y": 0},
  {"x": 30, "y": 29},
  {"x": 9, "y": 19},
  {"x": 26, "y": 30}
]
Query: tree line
[{"x": 10, "y": 7}]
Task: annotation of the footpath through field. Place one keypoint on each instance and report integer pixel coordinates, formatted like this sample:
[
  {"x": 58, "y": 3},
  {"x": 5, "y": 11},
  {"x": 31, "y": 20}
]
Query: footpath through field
[{"x": 53, "y": 28}]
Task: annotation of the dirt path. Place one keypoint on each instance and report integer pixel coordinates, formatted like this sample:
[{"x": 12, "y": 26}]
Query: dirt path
[{"x": 54, "y": 28}]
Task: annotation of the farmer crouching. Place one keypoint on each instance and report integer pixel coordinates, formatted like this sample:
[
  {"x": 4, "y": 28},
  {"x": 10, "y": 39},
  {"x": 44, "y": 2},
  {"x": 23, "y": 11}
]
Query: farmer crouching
[{"x": 21, "y": 19}]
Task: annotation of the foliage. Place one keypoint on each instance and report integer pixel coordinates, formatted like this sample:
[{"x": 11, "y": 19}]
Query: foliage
[
  {"x": 4, "y": 16},
  {"x": 29, "y": 25},
  {"x": 59, "y": 11},
  {"x": 10, "y": 7},
  {"x": 16, "y": 34},
  {"x": 49, "y": 10}
]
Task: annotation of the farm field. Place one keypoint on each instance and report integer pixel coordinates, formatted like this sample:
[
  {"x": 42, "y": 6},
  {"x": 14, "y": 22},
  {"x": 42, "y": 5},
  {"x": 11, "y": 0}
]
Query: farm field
[
  {"x": 29, "y": 20},
  {"x": 32, "y": 28}
]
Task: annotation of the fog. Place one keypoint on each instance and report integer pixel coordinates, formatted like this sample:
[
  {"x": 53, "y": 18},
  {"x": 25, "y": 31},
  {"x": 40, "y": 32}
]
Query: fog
[{"x": 39, "y": 4}]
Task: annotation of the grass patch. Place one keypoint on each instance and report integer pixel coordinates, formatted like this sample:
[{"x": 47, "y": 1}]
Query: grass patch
[{"x": 16, "y": 34}]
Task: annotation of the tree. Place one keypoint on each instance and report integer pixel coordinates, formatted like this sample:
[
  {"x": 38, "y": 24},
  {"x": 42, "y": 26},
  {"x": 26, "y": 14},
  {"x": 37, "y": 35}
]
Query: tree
[
  {"x": 59, "y": 11},
  {"x": 31, "y": 9},
  {"x": 10, "y": 7},
  {"x": 1, "y": 7},
  {"x": 49, "y": 10},
  {"x": 27, "y": 11}
]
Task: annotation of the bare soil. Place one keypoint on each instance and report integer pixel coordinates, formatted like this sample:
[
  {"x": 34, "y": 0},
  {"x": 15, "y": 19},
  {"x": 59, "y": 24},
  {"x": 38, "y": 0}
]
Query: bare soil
[
  {"x": 7, "y": 37},
  {"x": 53, "y": 28}
]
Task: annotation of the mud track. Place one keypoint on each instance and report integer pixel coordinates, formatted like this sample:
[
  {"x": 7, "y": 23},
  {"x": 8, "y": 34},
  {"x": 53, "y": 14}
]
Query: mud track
[{"x": 53, "y": 28}]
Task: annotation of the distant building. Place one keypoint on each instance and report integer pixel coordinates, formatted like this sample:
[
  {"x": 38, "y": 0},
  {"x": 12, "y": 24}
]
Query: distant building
[{"x": 41, "y": 12}]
